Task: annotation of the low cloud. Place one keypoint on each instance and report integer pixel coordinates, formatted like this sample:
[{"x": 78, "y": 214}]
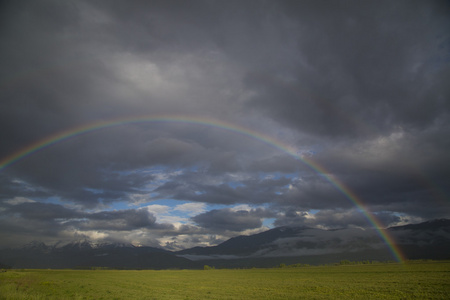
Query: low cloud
[{"x": 231, "y": 220}]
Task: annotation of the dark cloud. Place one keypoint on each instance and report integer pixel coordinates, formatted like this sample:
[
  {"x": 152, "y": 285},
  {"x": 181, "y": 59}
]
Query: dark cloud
[
  {"x": 332, "y": 218},
  {"x": 357, "y": 90},
  {"x": 119, "y": 220},
  {"x": 51, "y": 213},
  {"x": 44, "y": 220},
  {"x": 43, "y": 211},
  {"x": 227, "y": 219},
  {"x": 362, "y": 68},
  {"x": 196, "y": 187}
]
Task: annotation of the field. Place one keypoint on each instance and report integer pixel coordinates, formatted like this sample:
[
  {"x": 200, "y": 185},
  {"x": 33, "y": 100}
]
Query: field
[{"x": 420, "y": 280}]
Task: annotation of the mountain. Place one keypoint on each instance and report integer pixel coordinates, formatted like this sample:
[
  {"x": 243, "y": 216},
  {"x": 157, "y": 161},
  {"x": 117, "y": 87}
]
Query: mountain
[
  {"x": 84, "y": 254},
  {"x": 428, "y": 225},
  {"x": 36, "y": 246},
  {"x": 427, "y": 240},
  {"x": 245, "y": 245},
  {"x": 290, "y": 241},
  {"x": 289, "y": 245}
]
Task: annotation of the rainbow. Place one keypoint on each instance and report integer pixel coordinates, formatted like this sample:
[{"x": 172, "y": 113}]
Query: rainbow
[{"x": 84, "y": 129}]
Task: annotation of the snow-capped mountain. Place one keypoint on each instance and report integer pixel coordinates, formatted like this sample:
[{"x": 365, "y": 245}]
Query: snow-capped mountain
[{"x": 428, "y": 240}]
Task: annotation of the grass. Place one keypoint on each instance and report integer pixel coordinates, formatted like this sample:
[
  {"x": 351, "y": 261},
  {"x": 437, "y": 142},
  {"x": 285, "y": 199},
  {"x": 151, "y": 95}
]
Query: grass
[{"x": 420, "y": 280}]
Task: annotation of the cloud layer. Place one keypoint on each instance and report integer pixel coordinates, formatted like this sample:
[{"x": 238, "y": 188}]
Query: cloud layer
[{"x": 359, "y": 88}]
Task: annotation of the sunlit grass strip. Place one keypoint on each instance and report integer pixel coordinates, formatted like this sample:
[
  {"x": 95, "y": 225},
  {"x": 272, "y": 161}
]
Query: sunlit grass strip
[{"x": 424, "y": 280}]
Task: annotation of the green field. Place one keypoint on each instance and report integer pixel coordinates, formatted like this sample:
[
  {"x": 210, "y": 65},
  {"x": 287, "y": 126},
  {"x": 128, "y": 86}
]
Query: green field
[{"x": 420, "y": 280}]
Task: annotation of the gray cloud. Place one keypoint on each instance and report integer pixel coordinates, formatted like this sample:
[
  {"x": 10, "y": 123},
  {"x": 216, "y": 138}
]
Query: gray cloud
[
  {"x": 44, "y": 211},
  {"x": 120, "y": 220},
  {"x": 359, "y": 89},
  {"x": 196, "y": 187},
  {"x": 332, "y": 218},
  {"x": 53, "y": 222},
  {"x": 226, "y": 219},
  {"x": 55, "y": 213},
  {"x": 362, "y": 68}
]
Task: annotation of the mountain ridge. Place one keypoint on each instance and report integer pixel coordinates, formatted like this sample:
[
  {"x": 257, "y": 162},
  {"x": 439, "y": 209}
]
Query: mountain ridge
[{"x": 429, "y": 240}]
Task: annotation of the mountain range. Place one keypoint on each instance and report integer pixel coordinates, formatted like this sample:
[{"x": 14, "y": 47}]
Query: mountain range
[{"x": 428, "y": 240}]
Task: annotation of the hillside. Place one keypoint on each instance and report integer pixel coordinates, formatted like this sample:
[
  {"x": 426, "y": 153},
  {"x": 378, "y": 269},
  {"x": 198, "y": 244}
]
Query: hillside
[{"x": 428, "y": 240}]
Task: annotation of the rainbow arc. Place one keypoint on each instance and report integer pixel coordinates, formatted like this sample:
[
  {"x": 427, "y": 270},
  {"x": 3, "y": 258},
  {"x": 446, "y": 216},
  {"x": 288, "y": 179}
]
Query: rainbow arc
[{"x": 87, "y": 128}]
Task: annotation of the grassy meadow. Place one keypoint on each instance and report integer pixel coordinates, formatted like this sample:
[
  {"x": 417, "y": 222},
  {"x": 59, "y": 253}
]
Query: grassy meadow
[{"x": 420, "y": 280}]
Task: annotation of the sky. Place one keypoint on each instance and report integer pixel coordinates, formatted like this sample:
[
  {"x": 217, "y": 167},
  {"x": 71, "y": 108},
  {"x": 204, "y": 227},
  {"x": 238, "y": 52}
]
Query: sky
[{"x": 177, "y": 124}]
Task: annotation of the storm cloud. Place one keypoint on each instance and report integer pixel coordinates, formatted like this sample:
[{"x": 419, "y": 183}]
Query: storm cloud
[{"x": 356, "y": 90}]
